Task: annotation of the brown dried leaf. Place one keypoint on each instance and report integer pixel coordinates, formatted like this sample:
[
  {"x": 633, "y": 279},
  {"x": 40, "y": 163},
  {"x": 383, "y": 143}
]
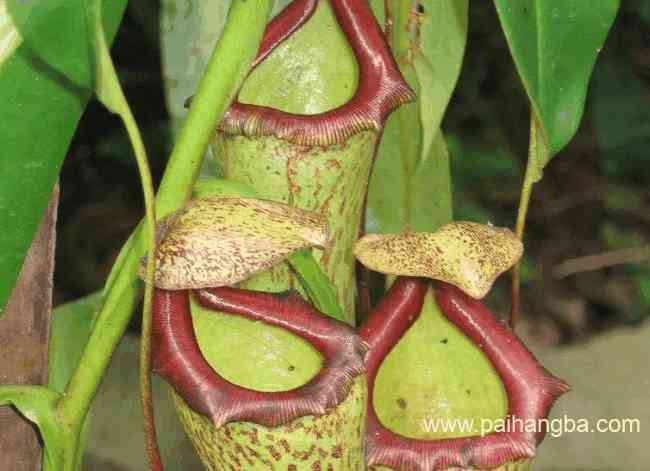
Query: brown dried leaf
[
  {"x": 219, "y": 241},
  {"x": 466, "y": 254}
]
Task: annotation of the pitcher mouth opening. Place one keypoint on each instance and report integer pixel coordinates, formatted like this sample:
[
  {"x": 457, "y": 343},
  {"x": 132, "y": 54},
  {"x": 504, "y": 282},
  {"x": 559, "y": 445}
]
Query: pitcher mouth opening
[
  {"x": 176, "y": 356},
  {"x": 381, "y": 87},
  {"x": 531, "y": 390}
]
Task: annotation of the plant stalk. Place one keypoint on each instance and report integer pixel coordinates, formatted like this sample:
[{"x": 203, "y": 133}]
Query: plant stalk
[
  {"x": 538, "y": 151},
  {"x": 151, "y": 443}
]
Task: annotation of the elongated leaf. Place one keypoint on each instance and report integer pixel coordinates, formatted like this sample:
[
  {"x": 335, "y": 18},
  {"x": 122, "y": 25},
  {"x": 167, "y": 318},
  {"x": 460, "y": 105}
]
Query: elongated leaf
[
  {"x": 40, "y": 110},
  {"x": 316, "y": 283},
  {"x": 413, "y": 159},
  {"x": 555, "y": 45},
  {"x": 420, "y": 199},
  {"x": 437, "y": 59},
  {"x": 109, "y": 91}
]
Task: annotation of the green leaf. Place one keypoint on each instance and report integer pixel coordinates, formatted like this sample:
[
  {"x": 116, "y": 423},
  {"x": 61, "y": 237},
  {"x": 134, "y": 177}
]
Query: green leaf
[
  {"x": 412, "y": 158},
  {"x": 554, "y": 46},
  {"x": 57, "y": 33},
  {"x": 106, "y": 84},
  {"x": 39, "y": 112},
  {"x": 69, "y": 332},
  {"x": 420, "y": 198},
  {"x": 437, "y": 55},
  {"x": 38, "y": 404},
  {"x": 317, "y": 285}
]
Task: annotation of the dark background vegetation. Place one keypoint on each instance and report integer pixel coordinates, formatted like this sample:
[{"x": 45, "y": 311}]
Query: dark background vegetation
[{"x": 593, "y": 199}]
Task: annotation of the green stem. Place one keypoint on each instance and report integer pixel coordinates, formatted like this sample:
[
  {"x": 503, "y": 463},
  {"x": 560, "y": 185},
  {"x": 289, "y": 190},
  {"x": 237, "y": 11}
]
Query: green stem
[
  {"x": 538, "y": 151},
  {"x": 226, "y": 71}
]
